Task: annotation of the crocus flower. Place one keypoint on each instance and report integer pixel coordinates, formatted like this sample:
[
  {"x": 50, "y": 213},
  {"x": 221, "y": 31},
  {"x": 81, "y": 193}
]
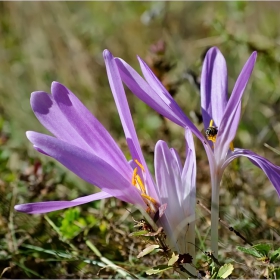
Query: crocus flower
[
  {"x": 81, "y": 144},
  {"x": 85, "y": 147},
  {"x": 175, "y": 185},
  {"x": 220, "y": 117},
  {"x": 177, "y": 188}
]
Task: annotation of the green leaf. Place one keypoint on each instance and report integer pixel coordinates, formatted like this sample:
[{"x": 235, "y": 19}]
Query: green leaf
[
  {"x": 263, "y": 249},
  {"x": 72, "y": 223},
  {"x": 250, "y": 251},
  {"x": 138, "y": 233},
  {"x": 173, "y": 259},
  {"x": 275, "y": 274},
  {"x": 158, "y": 269},
  {"x": 61, "y": 254},
  {"x": 225, "y": 271},
  {"x": 147, "y": 251},
  {"x": 275, "y": 255},
  {"x": 214, "y": 274}
]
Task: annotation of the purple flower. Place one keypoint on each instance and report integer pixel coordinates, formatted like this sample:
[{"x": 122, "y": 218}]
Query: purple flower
[
  {"x": 86, "y": 148},
  {"x": 175, "y": 185},
  {"x": 81, "y": 144},
  {"x": 177, "y": 188},
  {"x": 219, "y": 113}
]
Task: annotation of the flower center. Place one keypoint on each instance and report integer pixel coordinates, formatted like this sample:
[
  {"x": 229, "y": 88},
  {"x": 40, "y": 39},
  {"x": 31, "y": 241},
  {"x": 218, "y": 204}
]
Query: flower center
[
  {"x": 211, "y": 134},
  {"x": 138, "y": 183}
]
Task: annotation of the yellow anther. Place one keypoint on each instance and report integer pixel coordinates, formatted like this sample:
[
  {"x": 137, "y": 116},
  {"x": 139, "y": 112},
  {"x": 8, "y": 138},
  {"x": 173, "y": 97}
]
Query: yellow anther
[
  {"x": 137, "y": 181},
  {"x": 231, "y": 146},
  {"x": 140, "y": 183},
  {"x": 149, "y": 198},
  {"x": 211, "y": 123},
  {"x": 140, "y": 165},
  {"x": 133, "y": 180}
]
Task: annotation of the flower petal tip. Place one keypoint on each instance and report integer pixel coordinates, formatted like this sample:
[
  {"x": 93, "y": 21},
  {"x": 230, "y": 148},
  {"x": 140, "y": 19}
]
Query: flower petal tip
[
  {"x": 141, "y": 61},
  {"x": 29, "y": 134},
  {"x": 57, "y": 86},
  {"x": 19, "y": 208},
  {"x": 61, "y": 93},
  {"x": 255, "y": 53},
  {"x": 213, "y": 50},
  {"x": 34, "y": 94},
  {"x": 55, "y": 83},
  {"x": 27, "y": 209},
  {"x": 107, "y": 54}
]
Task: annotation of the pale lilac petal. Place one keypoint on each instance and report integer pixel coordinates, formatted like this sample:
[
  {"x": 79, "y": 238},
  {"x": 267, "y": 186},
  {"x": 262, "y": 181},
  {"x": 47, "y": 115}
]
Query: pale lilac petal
[
  {"x": 230, "y": 121},
  {"x": 159, "y": 101},
  {"x": 171, "y": 189},
  {"x": 51, "y": 117},
  {"x": 168, "y": 175},
  {"x": 168, "y": 178},
  {"x": 166, "y": 105},
  {"x": 189, "y": 186},
  {"x": 155, "y": 83},
  {"x": 189, "y": 173},
  {"x": 143, "y": 91},
  {"x": 176, "y": 157},
  {"x": 89, "y": 167},
  {"x": 126, "y": 119},
  {"x": 213, "y": 87},
  {"x": 88, "y": 128},
  {"x": 49, "y": 206},
  {"x": 40, "y": 151},
  {"x": 272, "y": 171},
  {"x": 122, "y": 106}
]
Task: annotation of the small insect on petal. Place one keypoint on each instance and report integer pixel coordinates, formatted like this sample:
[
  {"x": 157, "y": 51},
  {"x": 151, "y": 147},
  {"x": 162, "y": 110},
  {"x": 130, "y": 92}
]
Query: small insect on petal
[{"x": 211, "y": 132}]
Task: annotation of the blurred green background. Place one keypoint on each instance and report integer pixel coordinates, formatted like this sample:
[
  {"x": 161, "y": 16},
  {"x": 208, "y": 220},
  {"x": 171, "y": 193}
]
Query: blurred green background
[{"x": 41, "y": 42}]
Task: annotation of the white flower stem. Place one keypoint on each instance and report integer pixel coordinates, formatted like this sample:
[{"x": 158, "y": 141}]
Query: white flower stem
[
  {"x": 215, "y": 215},
  {"x": 190, "y": 239}
]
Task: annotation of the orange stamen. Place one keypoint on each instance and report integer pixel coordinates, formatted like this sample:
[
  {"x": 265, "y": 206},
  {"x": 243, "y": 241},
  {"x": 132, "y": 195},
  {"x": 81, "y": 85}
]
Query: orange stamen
[
  {"x": 149, "y": 198},
  {"x": 140, "y": 183},
  {"x": 133, "y": 180},
  {"x": 140, "y": 165}
]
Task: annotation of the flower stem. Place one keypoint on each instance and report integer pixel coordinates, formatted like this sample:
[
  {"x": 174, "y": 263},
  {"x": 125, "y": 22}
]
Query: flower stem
[{"x": 215, "y": 215}]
